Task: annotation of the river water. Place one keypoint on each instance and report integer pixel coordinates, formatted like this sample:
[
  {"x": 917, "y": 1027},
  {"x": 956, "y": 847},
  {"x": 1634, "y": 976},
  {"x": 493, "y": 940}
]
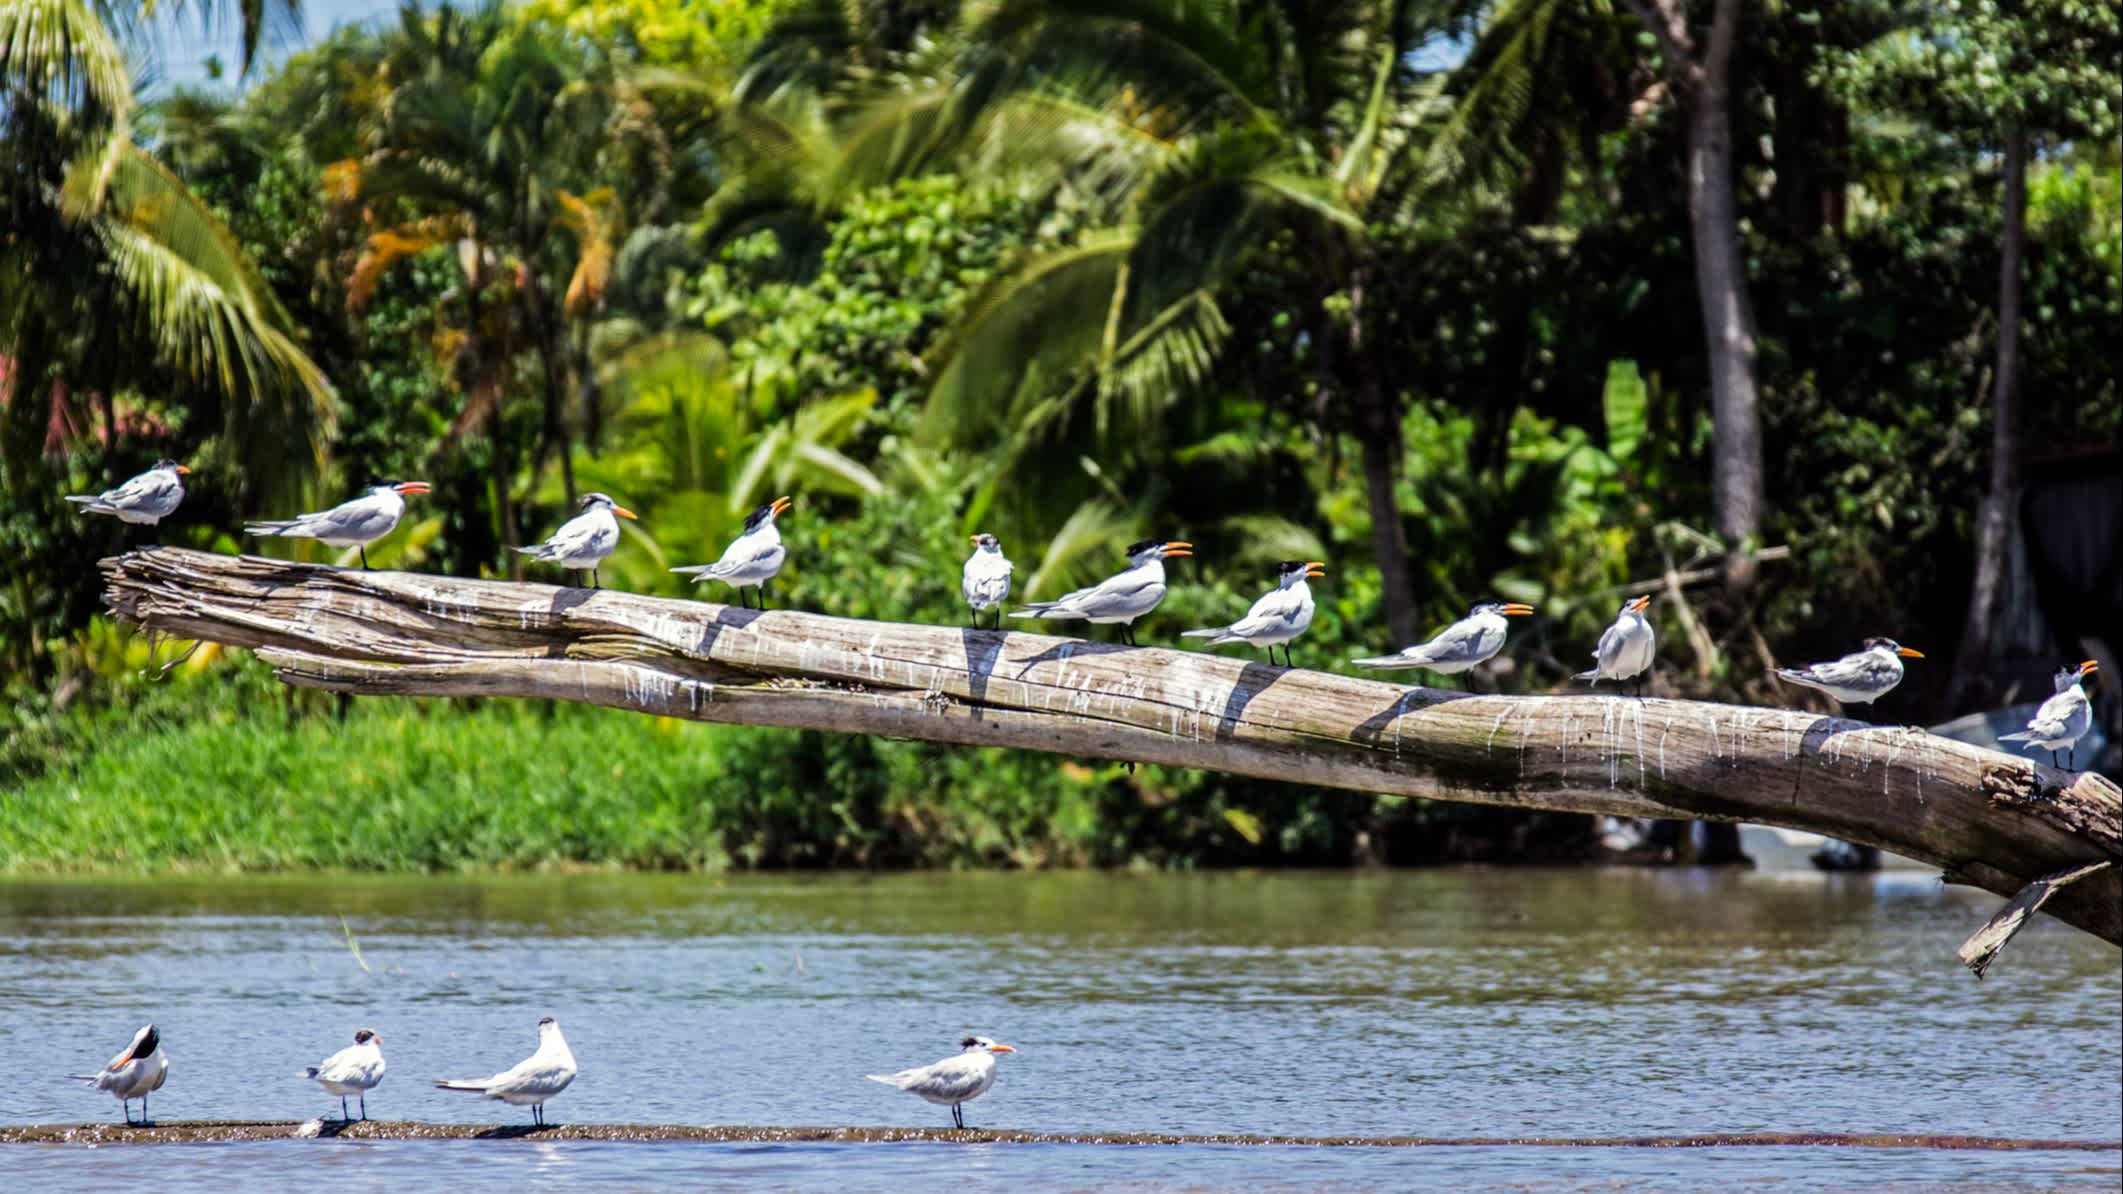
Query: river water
[{"x": 1463, "y": 1003}]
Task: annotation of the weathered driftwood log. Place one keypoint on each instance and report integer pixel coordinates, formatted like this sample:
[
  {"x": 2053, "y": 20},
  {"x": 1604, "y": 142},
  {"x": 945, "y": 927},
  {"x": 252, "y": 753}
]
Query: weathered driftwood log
[{"x": 1985, "y": 818}]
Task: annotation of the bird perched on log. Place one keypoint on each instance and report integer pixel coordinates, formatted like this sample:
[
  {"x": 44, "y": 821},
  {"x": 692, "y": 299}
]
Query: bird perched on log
[
  {"x": 753, "y": 558},
  {"x": 1120, "y": 598},
  {"x": 354, "y": 1070},
  {"x": 1280, "y": 615},
  {"x": 138, "y": 1069},
  {"x": 953, "y": 1081},
  {"x": 1460, "y": 647},
  {"x": 1625, "y": 650},
  {"x": 356, "y": 523},
  {"x": 144, "y": 500},
  {"x": 2063, "y": 719},
  {"x": 531, "y": 1081},
  {"x": 1860, "y": 678},
  {"x": 584, "y": 541},
  {"x": 986, "y": 580}
]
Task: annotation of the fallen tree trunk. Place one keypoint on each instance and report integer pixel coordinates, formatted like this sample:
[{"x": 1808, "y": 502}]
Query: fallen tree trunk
[{"x": 1987, "y": 819}]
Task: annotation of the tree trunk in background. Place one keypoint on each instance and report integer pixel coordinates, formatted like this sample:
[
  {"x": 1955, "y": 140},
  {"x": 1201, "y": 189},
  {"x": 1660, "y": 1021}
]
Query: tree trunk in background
[
  {"x": 1701, "y": 78},
  {"x": 1378, "y": 431},
  {"x": 1994, "y": 516}
]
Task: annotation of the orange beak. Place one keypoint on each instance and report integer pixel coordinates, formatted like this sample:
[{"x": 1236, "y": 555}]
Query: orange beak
[
  {"x": 183, "y": 471},
  {"x": 781, "y": 504},
  {"x": 973, "y": 538},
  {"x": 1641, "y": 603},
  {"x": 623, "y": 512},
  {"x": 1178, "y": 548},
  {"x": 1909, "y": 652},
  {"x": 2089, "y": 668},
  {"x": 414, "y": 487},
  {"x": 1315, "y": 570},
  {"x": 1000, "y": 1049},
  {"x": 1517, "y": 609}
]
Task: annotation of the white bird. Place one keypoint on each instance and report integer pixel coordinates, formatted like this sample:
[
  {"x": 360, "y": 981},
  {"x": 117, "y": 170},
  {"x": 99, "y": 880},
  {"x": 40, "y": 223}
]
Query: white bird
[
  {"x": 533, "y": 1080},
  {"x": 986, "y": 581},
  {"x": 1859, "y": 678},
  {"x": 1626, "y": 648},
  {"x": 138, "y": 1069},
  {"x": 965, "y": 1075},
  {"x": 356, "y": 523},
  {"x": 752, "y": 558},
  {"x": 1460, "y": 647},
  {"x": 144, "y": 500},
  {"x": 2063, "y": 719},
  {"x": 1122, "y": 597},
  {"x": 1280, "y": 615},
  {"x": 354, "y": 1070},
  {"x": 583, "y": 542}
]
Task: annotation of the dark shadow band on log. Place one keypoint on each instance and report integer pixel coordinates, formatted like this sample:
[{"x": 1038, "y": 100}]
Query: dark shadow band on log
[{"x": 209, "y": 1132}]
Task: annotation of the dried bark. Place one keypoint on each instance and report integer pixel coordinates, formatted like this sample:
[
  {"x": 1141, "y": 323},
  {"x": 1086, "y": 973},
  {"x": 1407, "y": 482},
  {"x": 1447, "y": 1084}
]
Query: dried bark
[{"x": 1988, "y": 818}]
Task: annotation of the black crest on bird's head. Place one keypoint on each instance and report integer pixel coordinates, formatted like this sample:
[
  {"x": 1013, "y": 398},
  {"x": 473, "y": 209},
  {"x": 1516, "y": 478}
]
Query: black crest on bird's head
[
  {"x": 1485, "y": 607},
  {"x": 145, "y": 1044},
  {"x": 165, "y": 462},
  {"x": 971, "y": 1042},
  {"x": 985, "y": 540},
  {"x": 596, "y": 499},
  {"x": 364, "y": 1036},
  {"x": 758, "y": 516},
  {"x": 547, "y": 1022},
  {"x": 1142, "y": 545},
  {"x": 1881, "y": 641},
  {"x": 1289, "y": 566}
]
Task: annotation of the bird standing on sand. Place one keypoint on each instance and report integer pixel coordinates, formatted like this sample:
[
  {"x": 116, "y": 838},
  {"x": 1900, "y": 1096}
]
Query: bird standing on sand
[
  {"x": 2063, "y": 719},
  {"x": 752, "y": 558},
  {"x": 355, "y": 523},
  {"x": 1280, "y": 615},
  {"x": 533, "y": 1080},
  {"x": 138, "y": 1069},
  {"x": 1460, "y": 647},
  {"x": 1626, "y": 648},
  {"x": 583, "y": 542},
  {"x": 144, "y": 500},
  {"x": 1859, "y": 678},
  {"x": 965, "y": 1075},
  {"x": 354, "y": 1070},
  {"x": 1122, "y": 597},
  {"x": 986, "y": 581}
]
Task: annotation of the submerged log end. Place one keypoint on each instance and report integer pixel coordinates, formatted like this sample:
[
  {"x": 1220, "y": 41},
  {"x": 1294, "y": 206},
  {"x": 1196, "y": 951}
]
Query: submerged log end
[{"x": 1982, "y": 948}]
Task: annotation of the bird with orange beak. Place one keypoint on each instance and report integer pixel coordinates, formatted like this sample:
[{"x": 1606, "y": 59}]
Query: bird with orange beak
[
  {"x": 1280, "y": 615},
  {"x": 584, "y": 541},
  {"x": 2063, "y": 719},
  {"x": 1856, "y": 679},
  {"x": 751, "y": 559},
  {"x": 1625, "y": 650},
  {"x": 355, "y": 523},
  {"x": 1121, "y": 598},
  {"x": 1460, "y": 647},
  {"x": 986, "y": 580},
  {"x": 144, "y": 500}
]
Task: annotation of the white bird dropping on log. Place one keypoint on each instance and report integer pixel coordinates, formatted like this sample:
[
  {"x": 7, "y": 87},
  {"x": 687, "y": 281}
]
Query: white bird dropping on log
[
  {"x": 533, "y": 1080},
  {"x": 354, "y": 1070},
  {"x": 1626, "y": 648},
  {"x": 2063, "y": 719},
  {"x": 583, "y": 542},
  {"x": 139, "y": 1068},
  {"x": 1280, "y": 615},
  {"x": 355, "y": 523},
  {"x": 986, "y": 581},
  {"x": 1460, "y": 647},
  {"x": 1860, "y": 678},
  {"x": 753, "y": 558},
  {"x": 951, "y": 1082},
  {"x": 1121, "y": 598},
  {"x": 144, "y": 500}
]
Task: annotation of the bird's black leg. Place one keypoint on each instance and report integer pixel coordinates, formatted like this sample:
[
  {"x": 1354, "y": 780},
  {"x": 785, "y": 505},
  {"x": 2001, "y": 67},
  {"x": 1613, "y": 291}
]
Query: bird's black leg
[
  {"x": 364, "y": 550},
  {"x": 594, "y": 582},
  {"x": 143, "y": 1109},
  {"x": 364, "y": 1107},
  {"x": 345, "y": 1116},
  {"x": 125, "y": 1107},
  {"x": 958, "y": 1116}
]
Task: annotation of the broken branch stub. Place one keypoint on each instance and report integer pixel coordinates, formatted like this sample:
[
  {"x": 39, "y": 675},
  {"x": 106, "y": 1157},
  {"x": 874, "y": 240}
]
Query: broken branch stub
[{"x": 1994, "y": 820}]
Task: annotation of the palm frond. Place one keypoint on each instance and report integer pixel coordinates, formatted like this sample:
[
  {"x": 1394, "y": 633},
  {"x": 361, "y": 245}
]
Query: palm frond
[{"x": 1087, "y": 546}]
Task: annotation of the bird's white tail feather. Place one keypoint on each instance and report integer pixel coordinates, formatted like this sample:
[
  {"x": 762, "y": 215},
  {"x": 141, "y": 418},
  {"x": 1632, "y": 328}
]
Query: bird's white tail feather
[
  {"x": 270, "y": 528},
  {"x": 85, "y": 498},
  {"x": 1387, "y": 661},
  {"x": 1798, "y": 677},
  {"x": 475, "y": 1085},
  {"x": 1594, "y": 675},
  {"x": 1210, "y": 633},
  {"x": 529, "y": 551},
  {"x": 887, "y": 1079},
  {"x": 2022, "y": 736}
]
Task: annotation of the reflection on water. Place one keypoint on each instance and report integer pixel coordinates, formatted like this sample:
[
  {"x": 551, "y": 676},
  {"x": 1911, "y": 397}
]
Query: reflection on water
[{"x": 1460, "y": 1003}]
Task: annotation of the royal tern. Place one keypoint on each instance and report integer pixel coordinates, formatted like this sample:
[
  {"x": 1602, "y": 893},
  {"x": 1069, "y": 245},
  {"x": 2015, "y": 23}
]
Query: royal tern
[
  {"x": 965, "y": 1075},
  {"x": 138, "y": 1069},
  {"x": 2063, "y": 719},
  {"x": 145, "y": 500},
  {"x": 1279, "y": 616},
  {"x": 1860, "y": 678},
  {"x": 1626, "y": 648},
  {"x": 583, "y": 542},
  {"x": 987, "y": 578},
  {"x": 533, "y": 1080},
  {"x": 752, "y": 558},
  {"x": 1122, "y": 597},
  {"x": 354, "y": 1070},
  {"x": 355, "y": 523},
  {"x": 1473, "y": 640}
]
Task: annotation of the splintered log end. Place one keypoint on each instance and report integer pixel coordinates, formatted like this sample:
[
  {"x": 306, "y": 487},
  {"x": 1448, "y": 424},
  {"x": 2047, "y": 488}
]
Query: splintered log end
[{"x": 1982, "y": 948}]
